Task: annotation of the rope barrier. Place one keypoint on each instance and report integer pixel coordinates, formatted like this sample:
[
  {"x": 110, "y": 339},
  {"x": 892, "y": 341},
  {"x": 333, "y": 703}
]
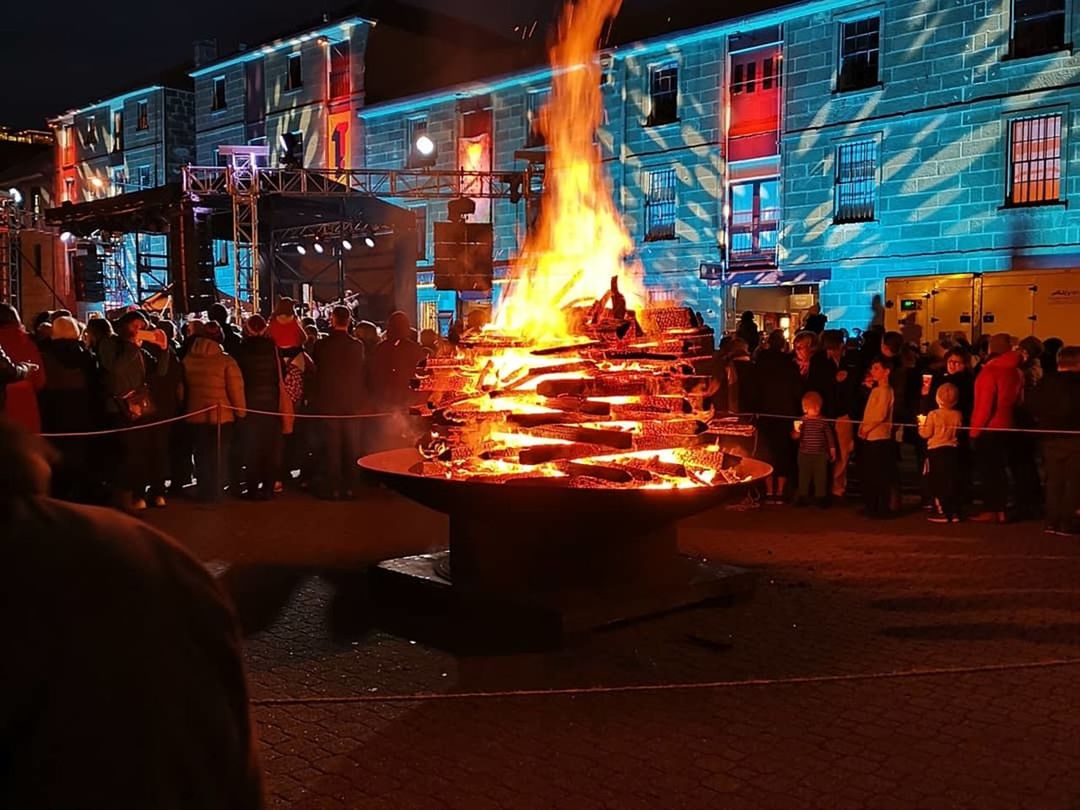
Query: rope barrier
[
  {"x": 384, "y": 414},
  {"x": 128, "y": 428},
  {"x": 896, "y": 425},
  {"x": 807, "y": 680},
  {"x": 316, "y": 415}
]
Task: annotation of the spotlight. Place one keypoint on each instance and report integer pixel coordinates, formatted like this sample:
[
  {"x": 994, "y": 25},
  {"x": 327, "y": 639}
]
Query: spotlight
[
  {"x": 16, "y": 196},
  {"x": 425, "y": 146},
  {"x": 67, "y": 237},
  {"x": 97, "y": 182},
  {"x": 301, "y": 250},
  {"x": 369, "y": 241},
  {"x": 318, "y": 247},
  {"x": 345, "y": 243}
]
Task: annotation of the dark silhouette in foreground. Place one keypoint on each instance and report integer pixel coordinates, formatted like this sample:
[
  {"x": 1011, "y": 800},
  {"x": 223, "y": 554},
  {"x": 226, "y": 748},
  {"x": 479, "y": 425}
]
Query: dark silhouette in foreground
[{"x": 122, "y": 684}]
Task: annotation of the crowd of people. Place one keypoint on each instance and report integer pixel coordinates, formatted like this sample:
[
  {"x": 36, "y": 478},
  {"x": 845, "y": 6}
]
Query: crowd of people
[
  {"x": 993, "y": 429},
  {"x": 139, "y": 408}
]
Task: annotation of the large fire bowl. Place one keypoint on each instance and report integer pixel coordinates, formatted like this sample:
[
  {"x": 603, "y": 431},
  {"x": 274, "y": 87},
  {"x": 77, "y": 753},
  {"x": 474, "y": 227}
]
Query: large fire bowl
[{"x": 584, "y": 557}]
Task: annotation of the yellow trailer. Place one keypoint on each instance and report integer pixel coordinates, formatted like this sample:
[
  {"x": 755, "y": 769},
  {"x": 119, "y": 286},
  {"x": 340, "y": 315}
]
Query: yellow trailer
[{"x": 1043, "y": 303}]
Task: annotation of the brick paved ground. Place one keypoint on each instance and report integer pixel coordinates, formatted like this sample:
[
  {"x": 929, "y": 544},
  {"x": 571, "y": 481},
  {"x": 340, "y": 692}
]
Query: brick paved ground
[{"x": 800, "y": 697}]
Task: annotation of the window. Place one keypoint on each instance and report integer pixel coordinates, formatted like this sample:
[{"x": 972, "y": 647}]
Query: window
[
  {"x": 118, "y": 131},
  {"x": 340, "y": 84},
  {"x": 142, "y": 120},
  {"x": 218, "y": 102},
  {"x": 771, "y": 72},
  {"x": 119, "y": 181},
  {"x": 1038, "y": 26},
  {"x": 146, "y": 178},
  {"x": 660, "y": 205},
  {"x": 859, "y": 50},
  {"x": 754, "y": 222},
  {"x": 1035, "y": 160},
  {"x": 69, "y": 189},
  {"x": 607, "y": 70},
  {"x": 534, "y": 102},
  {"x": 856, "y": 181},
  {"x": 663, "y": 94},
  {"x": 294, "y": 78},
  {"x": 90, "y": 138}
]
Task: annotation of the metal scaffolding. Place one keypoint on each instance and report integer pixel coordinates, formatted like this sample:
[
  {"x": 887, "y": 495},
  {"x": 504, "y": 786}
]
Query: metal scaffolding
[
  {"x": 11, "y": 223},
  {"x": 243, "y": 185},
  {"x": 243, "y": 181}
]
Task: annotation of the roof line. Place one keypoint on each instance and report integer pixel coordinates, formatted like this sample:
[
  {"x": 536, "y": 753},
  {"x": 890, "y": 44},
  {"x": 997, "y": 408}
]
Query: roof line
[
  {"x": 282, "y": 42},
  {"x": 775, "y": 16},
  {"x": 111, "y": 100}
]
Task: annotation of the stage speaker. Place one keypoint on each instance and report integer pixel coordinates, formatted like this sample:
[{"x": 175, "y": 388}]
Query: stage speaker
[
  {"x": 463, "y": 253},
  {"x": 198, "y": 290},
  {"x": 88, "y": 273}
]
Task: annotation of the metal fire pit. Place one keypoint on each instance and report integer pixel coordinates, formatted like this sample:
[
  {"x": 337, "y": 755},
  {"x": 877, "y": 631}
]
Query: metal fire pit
[{"x": 535, "y": 558}]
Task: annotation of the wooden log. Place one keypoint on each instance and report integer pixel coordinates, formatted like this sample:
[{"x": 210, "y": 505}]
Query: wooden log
[
  {"x": 606, "y": 472},
  {"x": 543, "y": 453},
  {"x": 578, "y": 404},
  {"x": 606, "y": 437}
]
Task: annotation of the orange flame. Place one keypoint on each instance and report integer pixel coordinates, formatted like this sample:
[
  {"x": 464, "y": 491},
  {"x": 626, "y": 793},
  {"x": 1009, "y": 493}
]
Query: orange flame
[{"x": 578, "y": 243}]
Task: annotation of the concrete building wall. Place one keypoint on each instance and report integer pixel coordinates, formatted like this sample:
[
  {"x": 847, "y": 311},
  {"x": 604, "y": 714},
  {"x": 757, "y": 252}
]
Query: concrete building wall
[
  {"x": 941, "y": 120},
  {"x": 225, "y": 125}
]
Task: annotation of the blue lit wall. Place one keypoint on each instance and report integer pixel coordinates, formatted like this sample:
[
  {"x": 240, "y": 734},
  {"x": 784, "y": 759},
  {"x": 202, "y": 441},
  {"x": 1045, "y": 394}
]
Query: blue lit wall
[{"x": 941, "y": 119}]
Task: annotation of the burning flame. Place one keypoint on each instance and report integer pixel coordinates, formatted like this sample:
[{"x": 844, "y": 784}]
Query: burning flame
[{"x": 578, "y": 243}]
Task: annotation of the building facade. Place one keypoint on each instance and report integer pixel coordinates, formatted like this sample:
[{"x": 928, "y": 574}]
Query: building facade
[
  {"x": 133, "y": 142},
  {"x": 804, "y": 154}
]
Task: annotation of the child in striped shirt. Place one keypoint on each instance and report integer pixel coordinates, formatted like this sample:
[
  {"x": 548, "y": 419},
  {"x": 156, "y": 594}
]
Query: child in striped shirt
[{"x": 817, "y": 447}]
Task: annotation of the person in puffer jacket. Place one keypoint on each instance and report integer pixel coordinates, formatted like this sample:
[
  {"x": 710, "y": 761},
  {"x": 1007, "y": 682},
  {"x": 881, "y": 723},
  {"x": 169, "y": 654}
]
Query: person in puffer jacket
[
  {"x": 999, "y": 388},
  {"x": 212, "y": 379}
]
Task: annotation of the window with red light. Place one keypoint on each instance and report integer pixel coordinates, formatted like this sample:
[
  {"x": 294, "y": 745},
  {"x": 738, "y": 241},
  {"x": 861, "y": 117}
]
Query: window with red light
[{"x": 1035, "y": 160}]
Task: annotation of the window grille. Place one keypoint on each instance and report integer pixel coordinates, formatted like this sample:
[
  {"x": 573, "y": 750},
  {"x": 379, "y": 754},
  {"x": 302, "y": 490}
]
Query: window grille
[
  {"x": 660, "y": 206},
  {"x": 856, "y": 181},
  {"x": 1035, "y": 160}
]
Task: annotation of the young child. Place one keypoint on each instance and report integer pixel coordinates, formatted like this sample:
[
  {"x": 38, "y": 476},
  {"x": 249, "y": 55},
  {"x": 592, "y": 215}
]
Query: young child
[
  {"x": 939, "y": 429},
  {"x": 817, "y": 447},
  {"x": 878, "y": 453}
]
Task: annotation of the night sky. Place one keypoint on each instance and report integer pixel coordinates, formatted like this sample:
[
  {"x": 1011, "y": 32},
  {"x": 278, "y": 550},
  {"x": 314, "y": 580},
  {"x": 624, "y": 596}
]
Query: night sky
[{"x": 60, "y": 54}]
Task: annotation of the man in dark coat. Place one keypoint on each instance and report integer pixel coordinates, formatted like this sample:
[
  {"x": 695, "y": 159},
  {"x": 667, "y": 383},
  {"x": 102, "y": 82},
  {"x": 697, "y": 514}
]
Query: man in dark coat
[
  {"x": 123, "y": 687},
  {"x": 1056, "y": 407},
  {"x": 230, "y": 335},
  {"x": 339, "y": 391},
  {"x": 126, "y": 368},
  {"x": 780, "y": 401},
  {"x": 260, "y": 366}
]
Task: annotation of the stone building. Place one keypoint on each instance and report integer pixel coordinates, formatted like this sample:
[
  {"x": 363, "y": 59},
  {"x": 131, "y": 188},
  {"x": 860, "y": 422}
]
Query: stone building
[
  {"x": 804, "y": 153},
  {"x": 128, "y": 143}
]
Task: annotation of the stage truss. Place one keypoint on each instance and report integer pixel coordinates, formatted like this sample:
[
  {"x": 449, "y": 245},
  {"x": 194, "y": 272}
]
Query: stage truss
[{"x": 243, "y": 181}]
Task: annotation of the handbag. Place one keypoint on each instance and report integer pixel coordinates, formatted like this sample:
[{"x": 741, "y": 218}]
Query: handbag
[
  {"x": 285, "y": 403},
  {"x": 136, "y": 404}
]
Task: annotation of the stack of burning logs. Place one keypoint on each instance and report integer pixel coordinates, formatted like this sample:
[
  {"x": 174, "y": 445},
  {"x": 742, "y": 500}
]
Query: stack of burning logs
[{"x": 611, "y": 408}]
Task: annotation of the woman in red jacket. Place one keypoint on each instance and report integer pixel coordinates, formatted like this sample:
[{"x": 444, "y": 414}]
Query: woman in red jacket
[
  {"x": 999, "y": 389},
  {"x": 21, "y": 405},
  {"x": 285, "y": 328}
]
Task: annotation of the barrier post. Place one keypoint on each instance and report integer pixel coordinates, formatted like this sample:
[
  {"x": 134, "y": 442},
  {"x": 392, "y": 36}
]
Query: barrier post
[{"x": 219, "y": 477}]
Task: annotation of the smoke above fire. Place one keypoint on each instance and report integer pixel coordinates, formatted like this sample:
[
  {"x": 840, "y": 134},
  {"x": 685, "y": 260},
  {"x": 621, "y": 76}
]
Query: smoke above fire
[{"x": 578, "y": 243}]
